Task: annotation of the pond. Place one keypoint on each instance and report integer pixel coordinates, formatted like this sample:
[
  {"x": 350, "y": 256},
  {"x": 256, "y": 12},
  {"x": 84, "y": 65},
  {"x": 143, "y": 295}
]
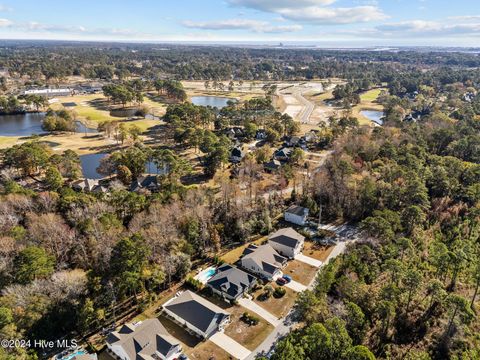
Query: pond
[
  {"x": 30, "y": 124},
  {"x": 213, "y": 101},
  {"x": 375, "y": 116},
  {"x": 90, "y": 163}
]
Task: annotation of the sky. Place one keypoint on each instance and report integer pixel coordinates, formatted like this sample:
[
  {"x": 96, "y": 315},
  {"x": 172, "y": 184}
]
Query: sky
[{"x": 325, "y": 22}]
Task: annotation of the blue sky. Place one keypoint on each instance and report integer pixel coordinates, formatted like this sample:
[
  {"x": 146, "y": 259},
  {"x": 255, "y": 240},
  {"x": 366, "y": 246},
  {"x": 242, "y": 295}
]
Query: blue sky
[{"x": 328, "y": 22}]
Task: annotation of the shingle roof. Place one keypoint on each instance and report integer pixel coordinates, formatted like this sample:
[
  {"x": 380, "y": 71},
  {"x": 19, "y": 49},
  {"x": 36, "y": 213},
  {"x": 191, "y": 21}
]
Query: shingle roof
[
  {"x": 266, "y": 257},
  {"x": 196, "y": 310},
  {"x": 297, "y": 210},
  {"x": 287, "y": 237},
  {"x": 231, "y": 280},
  {"x": 143, "y": 340}
]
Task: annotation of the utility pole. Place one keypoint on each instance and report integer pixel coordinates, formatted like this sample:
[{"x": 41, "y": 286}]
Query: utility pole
[{"x": 319, "y": 216}]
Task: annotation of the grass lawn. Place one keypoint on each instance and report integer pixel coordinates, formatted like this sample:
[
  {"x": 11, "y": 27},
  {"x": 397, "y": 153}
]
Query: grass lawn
[
  {"x": 93, "y": 107},
  {"x": 278, "y": 307},
  {"x": 207, "y": 350},
  {"x": 143, "y": 124},
  {"x": 316, "y": 251},
  {"x": 371, "y": 95},
  {"x": 300, "y": 272},
  {"x": 249, "y": 336},
  {"x": 7, "y": 141}
]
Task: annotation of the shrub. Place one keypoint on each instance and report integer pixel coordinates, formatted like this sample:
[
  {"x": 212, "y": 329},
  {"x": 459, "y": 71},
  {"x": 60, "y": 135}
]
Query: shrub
[
  {"x": 193, "y": 284},
  {"x": 279, "y": 292},
  {"x": 251, "y": 320}
]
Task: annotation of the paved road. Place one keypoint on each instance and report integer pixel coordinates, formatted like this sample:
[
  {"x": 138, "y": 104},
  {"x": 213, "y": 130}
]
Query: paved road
[
  {"x": 308, "y": 107},
  {"x": 349, "y": 233},
  {"x": 229, "y": 345}
]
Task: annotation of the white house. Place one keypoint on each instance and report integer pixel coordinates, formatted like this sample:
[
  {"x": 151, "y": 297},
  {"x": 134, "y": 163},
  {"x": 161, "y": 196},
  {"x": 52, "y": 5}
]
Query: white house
[
  {"x": 263, "y": 260},
  {"x": 287, "y": 242},
  {"x": 296, "y": 215},
  {"x": 49, "y": 92},
  {"x": 197, "y": 314},
  {"x": 144, "y": 340}
]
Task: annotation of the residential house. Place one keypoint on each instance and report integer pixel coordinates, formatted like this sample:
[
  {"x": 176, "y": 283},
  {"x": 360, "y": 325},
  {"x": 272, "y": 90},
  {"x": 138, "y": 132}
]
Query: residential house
[
  {"x": 49, "y": 92},
  {"x": 197, "y": 314},
  {"x": 272, "y": 166},
  {"x": 292, "y": 141},
  {"x": 263, "y": 260},
  {"x": 282, "y": 154},
  {"x": 230, "y": 282},
  {"x": 89, "y": 185},
  {"x": 261, "y": 134},
  {"x": 287, "y": 242},
  {"x": 296, "y": 215},
  {"x": 147, "y": 182},
  {"x": 237, "y": 154},
  {"x": 147, "y": 339}
]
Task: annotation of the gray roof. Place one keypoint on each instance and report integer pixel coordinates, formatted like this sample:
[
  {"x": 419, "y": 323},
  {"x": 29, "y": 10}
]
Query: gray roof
[
  {"x": 283, "y": 152},
  {"x": 287, "y": 237},
  {"x": 196, "y": 310},
  {"x": 149, "y": 182},
  {"x": 297, "y": 210},
  {"x": 143, "y": 340},
  {"x": 273, "y": 164},
  {"x": 85, "y": 184},
  {"x": 231, "y": 280},
  {"x": 266, "y": 257}
]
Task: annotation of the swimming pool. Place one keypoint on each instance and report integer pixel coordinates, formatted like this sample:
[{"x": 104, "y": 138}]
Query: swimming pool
[
  {"x": 206, "y": 274},
  {"x": 72, "y": 355}
]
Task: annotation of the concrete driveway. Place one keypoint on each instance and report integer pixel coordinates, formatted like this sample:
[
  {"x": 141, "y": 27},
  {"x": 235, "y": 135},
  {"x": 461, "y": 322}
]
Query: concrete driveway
[
  {"x": 257, "y": 309},
  {"x": 308, "y": 260},
  {"x": 235, "y": 349},
  {"x": 296, "y": 286}
]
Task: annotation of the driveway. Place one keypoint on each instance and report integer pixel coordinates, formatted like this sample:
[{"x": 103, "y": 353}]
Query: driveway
[
  {"x": 308, "y": 260},
  {"x": 296, "y": 286},
  {"x": 257, "y": 309},
  {"x": 229, "y": 345}
]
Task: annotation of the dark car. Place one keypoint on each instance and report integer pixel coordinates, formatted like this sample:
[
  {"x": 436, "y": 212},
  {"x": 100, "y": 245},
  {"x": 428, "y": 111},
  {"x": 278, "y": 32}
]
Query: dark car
[
  {"x": 287, "y": 278},
  {"x": 281, "y": 281}
]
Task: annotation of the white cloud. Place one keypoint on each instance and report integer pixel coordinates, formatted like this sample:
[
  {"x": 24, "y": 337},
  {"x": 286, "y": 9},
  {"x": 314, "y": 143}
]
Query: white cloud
[
  {"x": 316, "y": 12},
  {"x": 322, "y": 16},
  {"x": 5, "y": 23},
  {"x": 429, "y": 28},
  {"x": 241, "y": 24},
  {"x": 275, "y": 5}
]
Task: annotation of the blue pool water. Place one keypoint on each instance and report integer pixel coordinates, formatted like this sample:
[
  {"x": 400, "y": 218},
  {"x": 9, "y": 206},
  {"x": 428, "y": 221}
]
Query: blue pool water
[
  {"x": 72, "y": 355},
  {"x": 205, "y": 275}
]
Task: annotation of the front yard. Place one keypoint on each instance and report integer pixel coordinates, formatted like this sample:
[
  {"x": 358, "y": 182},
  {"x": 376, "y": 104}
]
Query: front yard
[
  {"x": 316, "y": 251},
  {"x": 250, "y": 336},
  {"x": 300, "y": 271},
  {"x": 278, "y": 307}
]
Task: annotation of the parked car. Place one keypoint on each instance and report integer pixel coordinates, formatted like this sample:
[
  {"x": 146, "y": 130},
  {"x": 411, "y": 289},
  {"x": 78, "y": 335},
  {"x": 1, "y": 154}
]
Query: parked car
[
  {"x": 183, "y": 357},
  {"x": 287, "y": 278},
  {"x": 281, "y": 281}
]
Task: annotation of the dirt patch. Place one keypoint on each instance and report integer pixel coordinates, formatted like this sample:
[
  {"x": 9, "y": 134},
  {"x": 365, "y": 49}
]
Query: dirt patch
[
  {"x": 317, "y": 251},
  {"x": 277, "y": 306},
  {"x": 300, "y": 272}
]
